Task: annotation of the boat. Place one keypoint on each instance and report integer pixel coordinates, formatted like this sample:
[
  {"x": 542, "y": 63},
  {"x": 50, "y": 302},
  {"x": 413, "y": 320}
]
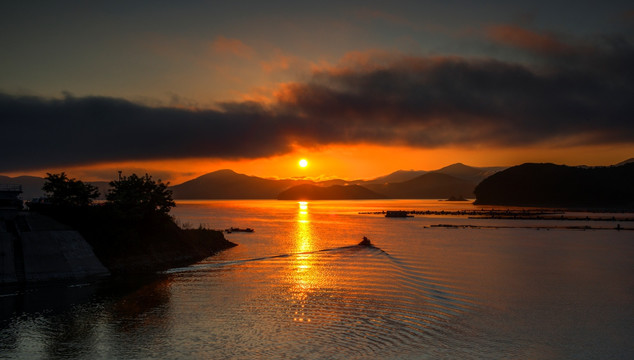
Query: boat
[
  {"x": 366, "y": 242},
  {"x": 397, "y": 213}
]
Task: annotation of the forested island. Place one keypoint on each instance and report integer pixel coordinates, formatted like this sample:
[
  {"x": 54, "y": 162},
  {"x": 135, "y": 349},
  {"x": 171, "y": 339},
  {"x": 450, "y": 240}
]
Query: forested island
[{"x": 550, "y": 185}]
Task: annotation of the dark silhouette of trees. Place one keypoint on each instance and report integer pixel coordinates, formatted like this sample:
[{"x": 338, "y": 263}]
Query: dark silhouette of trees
[
  {"x": 140, "y": 196},
  {"x": 68, "y": 192}
]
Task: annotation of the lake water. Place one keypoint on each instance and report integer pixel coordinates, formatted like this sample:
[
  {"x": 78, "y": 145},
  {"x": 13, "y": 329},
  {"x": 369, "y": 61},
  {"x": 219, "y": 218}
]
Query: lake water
[{"x": 298, "y": 288}]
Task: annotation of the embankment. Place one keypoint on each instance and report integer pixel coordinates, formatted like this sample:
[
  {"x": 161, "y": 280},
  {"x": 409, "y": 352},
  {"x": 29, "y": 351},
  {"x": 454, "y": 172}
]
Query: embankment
[
  {"x": 128, "y": 244},
  {"x": 34, "y": 248}
]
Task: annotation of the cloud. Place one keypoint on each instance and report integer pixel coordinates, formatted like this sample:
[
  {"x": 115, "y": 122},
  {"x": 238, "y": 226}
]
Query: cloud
[
  {"x": 73, "y": 131},
  {"x": 518, "y": 37},
  {"x": 425, "y": 102},
  {"x": 235, "y": 47},
  {"x": 280, "y": 61}
]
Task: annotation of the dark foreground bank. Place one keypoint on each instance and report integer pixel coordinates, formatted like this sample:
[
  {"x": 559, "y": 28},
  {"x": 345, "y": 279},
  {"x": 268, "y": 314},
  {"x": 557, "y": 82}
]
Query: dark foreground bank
[{"x": 133, "y": 245}]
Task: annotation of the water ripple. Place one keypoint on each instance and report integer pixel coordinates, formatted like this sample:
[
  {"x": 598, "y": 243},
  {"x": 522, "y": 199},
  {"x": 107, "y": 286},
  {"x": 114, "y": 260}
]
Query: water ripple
[{"x": 358, "y": 301}]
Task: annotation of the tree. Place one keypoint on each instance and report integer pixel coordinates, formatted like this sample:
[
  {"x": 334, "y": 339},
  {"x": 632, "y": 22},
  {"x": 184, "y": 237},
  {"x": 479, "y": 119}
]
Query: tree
[
  {"x": 62, "y": 191},
  {"x": 140, "y": 196}
]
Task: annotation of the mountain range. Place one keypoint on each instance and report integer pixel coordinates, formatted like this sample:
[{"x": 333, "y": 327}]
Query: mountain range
[
  {"x": 454, "y": 180},
  {"x": 457, "y": 179}
]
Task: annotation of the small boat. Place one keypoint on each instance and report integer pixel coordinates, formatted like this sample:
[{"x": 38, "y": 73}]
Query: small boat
[
  {"x": 233, "y": 229},
  {"x": 365, "y": 242}
]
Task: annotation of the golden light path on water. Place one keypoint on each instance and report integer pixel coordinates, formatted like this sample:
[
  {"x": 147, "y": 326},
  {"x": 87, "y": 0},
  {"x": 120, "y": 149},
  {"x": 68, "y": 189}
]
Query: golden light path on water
[{"x": 304, "y": 277}]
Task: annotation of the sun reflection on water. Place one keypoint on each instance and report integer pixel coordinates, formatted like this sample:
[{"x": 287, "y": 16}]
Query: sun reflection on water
[
  {"x": 303, "y": 208},
  {"x": 304, "y": 275}
]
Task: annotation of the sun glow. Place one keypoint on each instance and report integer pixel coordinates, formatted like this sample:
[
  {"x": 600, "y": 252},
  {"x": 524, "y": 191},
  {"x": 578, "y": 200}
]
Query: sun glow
[{"x": 303, "y": 163}]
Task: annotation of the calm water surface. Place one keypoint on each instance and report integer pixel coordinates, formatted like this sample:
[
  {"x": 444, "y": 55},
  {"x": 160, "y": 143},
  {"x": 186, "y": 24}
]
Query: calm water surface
[{"x": 298, "y": 288}]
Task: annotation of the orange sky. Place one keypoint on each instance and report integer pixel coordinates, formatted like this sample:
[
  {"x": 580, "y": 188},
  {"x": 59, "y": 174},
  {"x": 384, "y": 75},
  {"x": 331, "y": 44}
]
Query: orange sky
[{"x": 353, "y": 162}]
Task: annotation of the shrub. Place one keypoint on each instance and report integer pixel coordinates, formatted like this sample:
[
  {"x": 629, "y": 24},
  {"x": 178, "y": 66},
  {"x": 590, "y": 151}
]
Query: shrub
[
  {"x": 65, "y": 192},
  {"x": 140, "y": 196}
]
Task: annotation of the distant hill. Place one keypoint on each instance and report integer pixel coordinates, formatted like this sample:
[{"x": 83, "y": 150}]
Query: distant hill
[
  {"x": 397, "y": 176},
  {"x": 630, "y": 160},
  {"x": 457, "y": 170},
  {"x": 334, "y": 192},
  {"x": 469, "y": 173},
  {"x": 560, "y": 186},
  {"x": 432, "y": 185},
  {"x": 227, "y": 184}
]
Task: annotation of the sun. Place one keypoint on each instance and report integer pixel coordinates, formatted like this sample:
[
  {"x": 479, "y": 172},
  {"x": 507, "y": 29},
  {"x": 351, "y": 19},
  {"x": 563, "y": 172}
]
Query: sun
[{"x": 303, "y": 163}]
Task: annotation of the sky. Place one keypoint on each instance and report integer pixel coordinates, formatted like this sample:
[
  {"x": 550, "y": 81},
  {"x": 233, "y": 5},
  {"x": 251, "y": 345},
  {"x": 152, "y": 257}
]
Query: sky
[{"x": 361, "y": 89}]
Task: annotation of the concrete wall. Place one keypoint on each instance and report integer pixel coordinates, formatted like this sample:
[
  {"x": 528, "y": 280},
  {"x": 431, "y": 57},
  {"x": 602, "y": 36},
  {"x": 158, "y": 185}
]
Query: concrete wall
[
  {"x": 7, "y": 264},
  {"x": 46, "y": 251},
  {"x": 57, "y": 255}
]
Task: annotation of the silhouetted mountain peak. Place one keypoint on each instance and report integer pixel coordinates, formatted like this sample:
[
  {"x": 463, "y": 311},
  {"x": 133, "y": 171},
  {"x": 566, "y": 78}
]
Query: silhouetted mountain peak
[
  {"x": 224, "y": 171},
  {"x": 224, "y": 175},
  {"x": 630, "y": 160},
  {"x": 469, "y": 173},
  {"x": 397, "y": 176},
  {"x": 432, "y": 176},
  {"x": 221, "y": 173},
  {"x": 457, "y": 165},
  {"x": 458, "y": 168}
]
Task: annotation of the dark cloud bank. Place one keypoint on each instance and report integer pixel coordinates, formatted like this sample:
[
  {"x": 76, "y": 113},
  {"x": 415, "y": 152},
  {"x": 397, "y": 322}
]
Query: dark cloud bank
[{"x": 581, "y": 96}]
